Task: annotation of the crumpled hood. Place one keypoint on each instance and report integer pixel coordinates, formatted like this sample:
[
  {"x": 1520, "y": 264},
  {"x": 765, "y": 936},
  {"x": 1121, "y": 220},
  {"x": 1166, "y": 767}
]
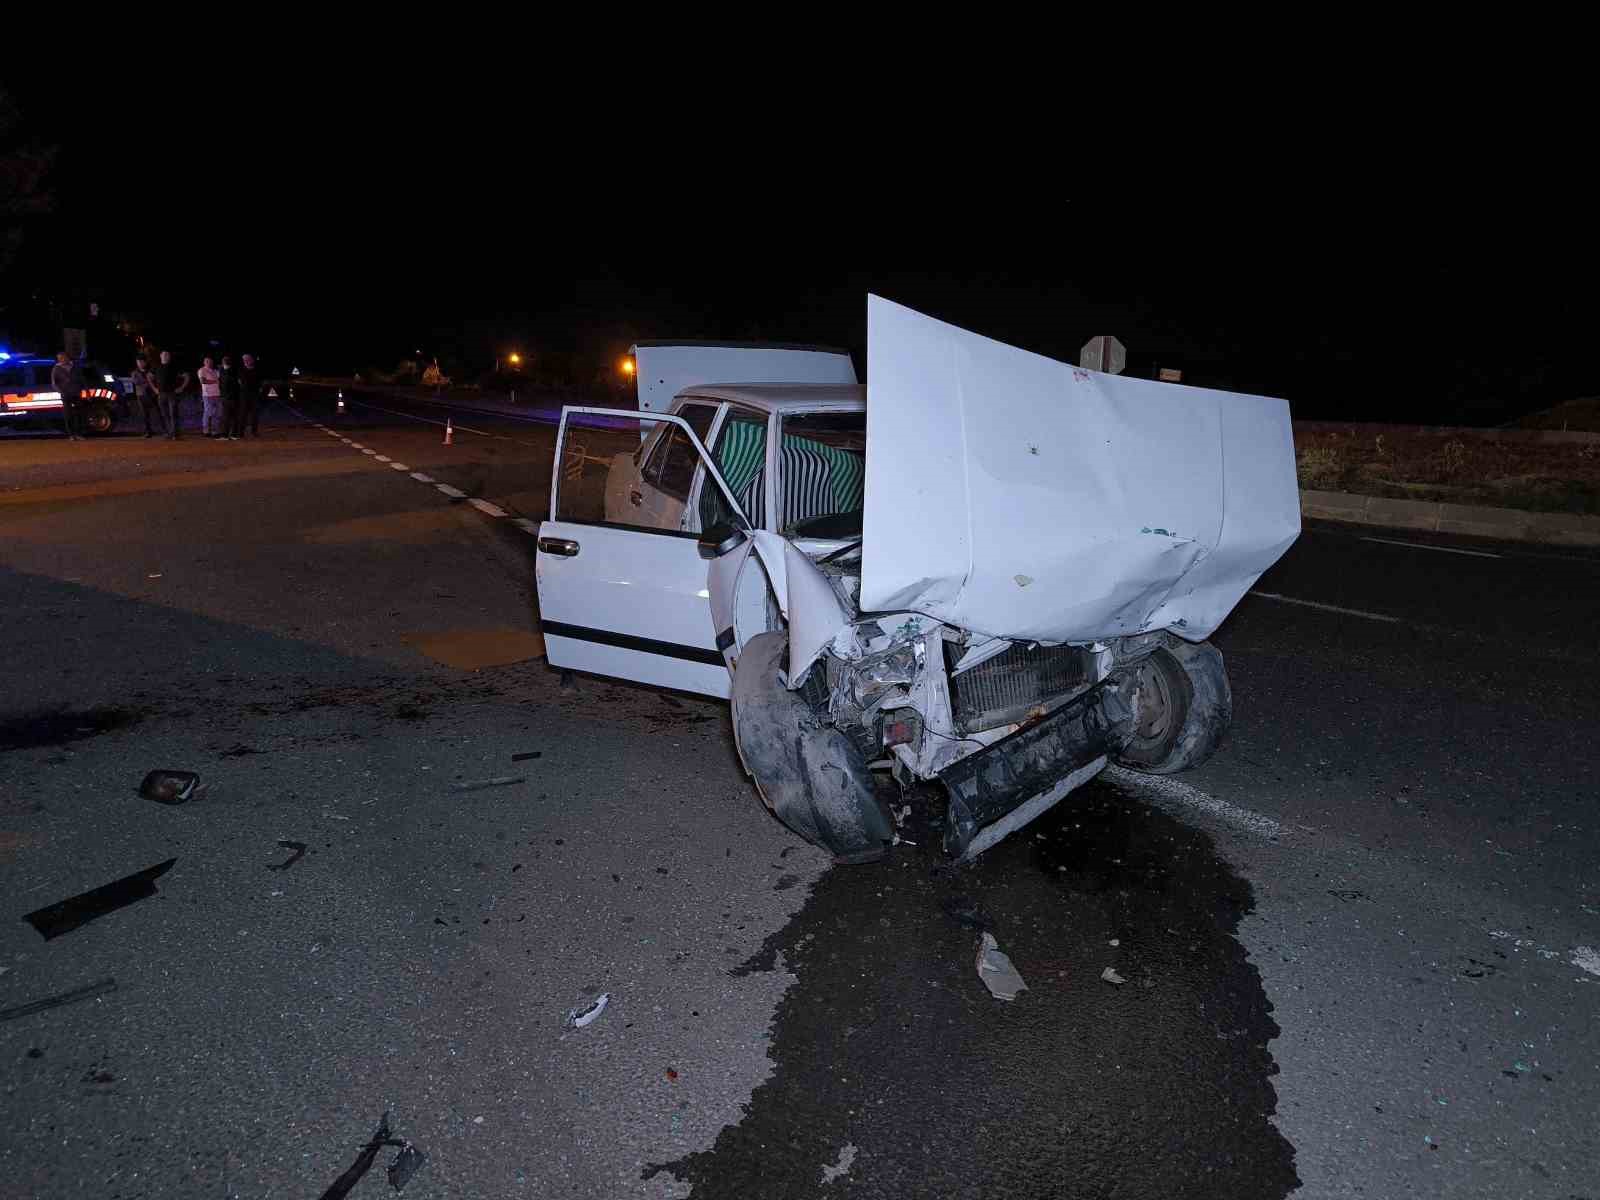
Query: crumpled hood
[{"x": 1020, "y": 497}]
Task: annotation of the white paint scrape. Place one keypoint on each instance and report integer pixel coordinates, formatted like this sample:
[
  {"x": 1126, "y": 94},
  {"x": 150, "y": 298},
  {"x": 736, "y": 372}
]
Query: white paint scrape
[
  {"x": 1163, "y": 789},
  {"x": 1586, "y": 958},
  {"x": 847, "y": 1156}
]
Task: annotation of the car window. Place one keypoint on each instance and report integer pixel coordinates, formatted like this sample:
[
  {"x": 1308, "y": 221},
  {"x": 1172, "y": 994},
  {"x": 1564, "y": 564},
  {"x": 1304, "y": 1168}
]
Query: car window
[
  {"x": 14, "y": 379},
  {"x": 672, "y": 463},
  {"x": 741, "y": 457},
  {"x": 822, "y": 470}
]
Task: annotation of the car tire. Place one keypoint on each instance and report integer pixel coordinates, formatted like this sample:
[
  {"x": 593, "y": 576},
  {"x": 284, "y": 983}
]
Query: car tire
[
  {"x": 98, "y": 420},
  {"x": 1185, "y": 708},
  {"x": 809, "y": 774}
]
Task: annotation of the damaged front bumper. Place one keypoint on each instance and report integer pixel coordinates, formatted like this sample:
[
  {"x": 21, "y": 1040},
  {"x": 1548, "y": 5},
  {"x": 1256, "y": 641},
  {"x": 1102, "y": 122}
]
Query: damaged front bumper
[{"x": 1067, "y": 746}]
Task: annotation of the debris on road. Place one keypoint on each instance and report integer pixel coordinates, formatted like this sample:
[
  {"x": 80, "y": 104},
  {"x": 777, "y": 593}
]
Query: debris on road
[
  {"x": 66, "y": 915},
  {"x": 473, "y": 785},
  {"x": 996, "y": 971},
  {"x": 299, "y": 849},
  {"x": 170, "y": 787},
  {"x": 85, "y": 992},
  {"x": 1110, "y": 976},
  {"x": 526, "y": 755},
  {"x": 406, "y": 1164},
  {"x": 587, "y": 1015},
  {"x": 363, "y": 1163},
  {"x": 847, "y": 1157}
]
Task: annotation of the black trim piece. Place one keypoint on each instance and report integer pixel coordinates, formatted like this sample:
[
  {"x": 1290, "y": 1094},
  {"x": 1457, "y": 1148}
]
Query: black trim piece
[
  {"x": 725, "y": 638},
  {"x": 624, "y": 641}
]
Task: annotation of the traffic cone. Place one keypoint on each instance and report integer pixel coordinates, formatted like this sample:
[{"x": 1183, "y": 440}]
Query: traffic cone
[{"x": 449, "y": 433}]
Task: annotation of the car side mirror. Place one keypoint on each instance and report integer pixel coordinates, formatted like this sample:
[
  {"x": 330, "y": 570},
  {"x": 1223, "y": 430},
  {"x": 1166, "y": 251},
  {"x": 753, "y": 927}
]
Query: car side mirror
[{"x": 719, "y": 539}]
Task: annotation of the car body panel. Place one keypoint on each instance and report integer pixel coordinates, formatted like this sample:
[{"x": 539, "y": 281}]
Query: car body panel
[
  {"x": 1013, "y": 495},
  {"x": 664, "y": 369}
]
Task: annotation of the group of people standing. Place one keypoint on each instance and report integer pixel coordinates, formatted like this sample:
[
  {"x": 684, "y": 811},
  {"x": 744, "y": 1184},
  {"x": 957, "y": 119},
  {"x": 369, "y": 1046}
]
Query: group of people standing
[{"x": 230, "y": 398}]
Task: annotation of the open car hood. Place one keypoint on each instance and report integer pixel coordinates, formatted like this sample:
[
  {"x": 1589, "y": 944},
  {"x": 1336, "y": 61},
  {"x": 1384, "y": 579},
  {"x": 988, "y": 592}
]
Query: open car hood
[{"x": 1020, "y": 497}]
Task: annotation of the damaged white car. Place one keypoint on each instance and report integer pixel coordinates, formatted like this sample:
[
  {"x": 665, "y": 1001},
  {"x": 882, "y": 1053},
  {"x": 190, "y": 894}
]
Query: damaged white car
[{"x": 985, "y": 569}]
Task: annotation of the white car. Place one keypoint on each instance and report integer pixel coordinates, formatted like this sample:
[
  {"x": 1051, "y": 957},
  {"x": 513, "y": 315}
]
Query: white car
[{"x": 985, "y": 569}]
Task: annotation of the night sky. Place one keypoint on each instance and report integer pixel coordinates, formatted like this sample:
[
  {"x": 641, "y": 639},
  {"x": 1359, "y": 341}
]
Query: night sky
[{"x": 353, "y": 223}]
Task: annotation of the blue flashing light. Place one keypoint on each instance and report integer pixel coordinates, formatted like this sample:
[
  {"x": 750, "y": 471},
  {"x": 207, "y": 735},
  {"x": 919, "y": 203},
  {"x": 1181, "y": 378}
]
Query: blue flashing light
[{"x": 4, "y": 356}]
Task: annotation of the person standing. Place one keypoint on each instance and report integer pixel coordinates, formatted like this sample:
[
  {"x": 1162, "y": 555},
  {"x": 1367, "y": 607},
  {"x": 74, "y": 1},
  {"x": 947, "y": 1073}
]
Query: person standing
[
  {"x": 230, "y": 399},
  {"x": 210, "y": 397},
  {"x": 249, "y": 397},
  {"x": 144, "y": 393},
  {"x": 170, "y": 382},
  {"x": 68, "y": 383}
]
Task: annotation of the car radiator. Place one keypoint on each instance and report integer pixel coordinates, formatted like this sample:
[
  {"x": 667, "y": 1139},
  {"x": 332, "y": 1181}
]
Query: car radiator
[{"x": 1006, "y": 687}]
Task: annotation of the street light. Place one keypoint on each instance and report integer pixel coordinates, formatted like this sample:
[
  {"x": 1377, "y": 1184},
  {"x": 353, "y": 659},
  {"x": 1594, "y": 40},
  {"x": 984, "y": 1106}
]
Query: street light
[
  {"x": 515, "y": 359},
  {"x": 627, "y": 366}
]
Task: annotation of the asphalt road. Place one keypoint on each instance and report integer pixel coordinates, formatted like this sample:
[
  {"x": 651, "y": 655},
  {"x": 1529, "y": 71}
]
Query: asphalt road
[{"x": 1360, "y": 947}]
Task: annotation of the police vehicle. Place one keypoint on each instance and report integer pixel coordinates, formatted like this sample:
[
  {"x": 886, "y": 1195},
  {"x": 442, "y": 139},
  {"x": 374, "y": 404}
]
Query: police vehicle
[{"x": 28, "y": 398}]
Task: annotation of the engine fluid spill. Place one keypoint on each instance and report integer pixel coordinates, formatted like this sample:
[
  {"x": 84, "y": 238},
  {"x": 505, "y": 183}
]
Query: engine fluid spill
[{"x": 889, "y": 1042}]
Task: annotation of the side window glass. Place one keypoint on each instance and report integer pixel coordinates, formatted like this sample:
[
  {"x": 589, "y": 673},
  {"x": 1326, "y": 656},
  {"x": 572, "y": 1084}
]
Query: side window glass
[{"x": 601, "y": 481}]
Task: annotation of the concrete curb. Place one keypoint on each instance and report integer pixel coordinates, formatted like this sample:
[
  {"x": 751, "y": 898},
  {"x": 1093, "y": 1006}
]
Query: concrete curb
[{"x": 1508, "y": 524}]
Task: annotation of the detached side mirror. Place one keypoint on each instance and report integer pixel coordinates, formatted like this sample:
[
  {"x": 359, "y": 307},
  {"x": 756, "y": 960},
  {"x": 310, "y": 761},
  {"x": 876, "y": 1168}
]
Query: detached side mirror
[{"x": 719, "y": 539}]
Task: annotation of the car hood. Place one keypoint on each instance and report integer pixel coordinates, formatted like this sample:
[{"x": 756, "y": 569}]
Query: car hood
[{"x": 1021, "y": 497}]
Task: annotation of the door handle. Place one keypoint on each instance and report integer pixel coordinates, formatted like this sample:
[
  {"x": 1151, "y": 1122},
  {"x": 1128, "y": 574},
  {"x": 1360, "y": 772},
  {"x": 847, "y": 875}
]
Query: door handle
[
  {"x": 636, "y": 496},
  {"x": 565, "y": 547}
]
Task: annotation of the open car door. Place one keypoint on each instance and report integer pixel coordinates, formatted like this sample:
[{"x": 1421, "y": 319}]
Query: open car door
[{"x": 622, "y": 586}]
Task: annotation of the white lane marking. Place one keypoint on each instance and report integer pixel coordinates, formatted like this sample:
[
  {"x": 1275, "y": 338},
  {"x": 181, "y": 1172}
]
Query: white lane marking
[
  {"x": 399, "y": 466},
  {"x": 457, "y": 493},
  {"x": 368, "y": 450},
  {"x": 1159, "y": 788},
  {"x": 460, "y": 427},
  {"x": 383, "y": 458},
  {"x": 1333, "y": 608},
  {"x": 483, "y": 506},
  {"x": 421, "y": 478},
  {"x": 1440, "y": 549},
  {"x": 525, "y": 525}
]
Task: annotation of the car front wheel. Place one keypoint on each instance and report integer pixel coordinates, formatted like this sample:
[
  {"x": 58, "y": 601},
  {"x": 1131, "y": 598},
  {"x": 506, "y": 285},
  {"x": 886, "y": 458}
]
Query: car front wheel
[{"x": 1182, "y": 708}]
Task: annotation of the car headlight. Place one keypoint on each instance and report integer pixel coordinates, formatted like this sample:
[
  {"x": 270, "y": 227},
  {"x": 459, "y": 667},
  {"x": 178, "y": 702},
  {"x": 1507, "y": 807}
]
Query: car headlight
[{"x": 893, "y": 668}]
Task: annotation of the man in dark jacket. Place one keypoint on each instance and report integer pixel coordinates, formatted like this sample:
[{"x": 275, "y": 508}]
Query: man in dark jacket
[
  {"x": 249, "y": 398},
  {"x": 169, "y": 382},
  {"x": 144, "y": 393},
  {"x": 65, "y": 380},
  {"x": 230, "y": 399}
]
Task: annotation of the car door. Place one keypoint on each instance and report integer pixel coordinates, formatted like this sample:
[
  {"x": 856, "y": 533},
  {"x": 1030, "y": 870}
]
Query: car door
[{"x": 622, "y": 588}]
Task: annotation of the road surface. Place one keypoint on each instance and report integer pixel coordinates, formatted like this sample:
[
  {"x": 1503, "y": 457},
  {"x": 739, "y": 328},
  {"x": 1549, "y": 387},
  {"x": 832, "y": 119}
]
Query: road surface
[{"x": 1361, "y": 947}]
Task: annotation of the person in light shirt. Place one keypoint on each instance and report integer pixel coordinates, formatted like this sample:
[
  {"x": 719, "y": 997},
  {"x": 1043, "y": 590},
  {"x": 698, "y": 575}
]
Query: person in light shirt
[{"x": 210, "y": 399}]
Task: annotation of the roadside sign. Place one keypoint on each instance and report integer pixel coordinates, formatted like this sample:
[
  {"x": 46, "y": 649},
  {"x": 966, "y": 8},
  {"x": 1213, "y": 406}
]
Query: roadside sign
[
  {"x": 1104, "y": 353},
  {"x": 1169, "y": 375}
]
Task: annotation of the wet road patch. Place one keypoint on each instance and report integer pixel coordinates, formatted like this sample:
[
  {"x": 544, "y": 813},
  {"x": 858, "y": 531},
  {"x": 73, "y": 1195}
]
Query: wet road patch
[
  {"x": 890, "y": 1044},
  {"x": 474, "y": 649},
  {"x": 55, "y": 727}
]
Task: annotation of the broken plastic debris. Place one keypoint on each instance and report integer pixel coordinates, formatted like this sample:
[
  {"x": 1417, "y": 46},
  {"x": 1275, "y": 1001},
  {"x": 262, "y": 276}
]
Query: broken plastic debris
[
  {"x": 847, "y": 1157},
  {"x": 996, "y": 971},
  {"x": 66, "y": 915},
  {"x": 299, "y": 849},
  {"x": 587, "y": 1015},
  {"x": 472, "y": 785},
  {"x": 369, "y": 1153},
  {"x": 406, "y": 1164},
  {"x": 1110, "y": 976},
  {"x": 526, "y": 755},
  {"x": 170, "y": 787},
  {"x": 85, "y": 992}
]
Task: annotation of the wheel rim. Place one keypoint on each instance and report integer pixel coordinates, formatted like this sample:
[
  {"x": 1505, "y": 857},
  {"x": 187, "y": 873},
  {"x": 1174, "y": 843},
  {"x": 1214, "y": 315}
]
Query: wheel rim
[{"x": 1154, "y": 705}]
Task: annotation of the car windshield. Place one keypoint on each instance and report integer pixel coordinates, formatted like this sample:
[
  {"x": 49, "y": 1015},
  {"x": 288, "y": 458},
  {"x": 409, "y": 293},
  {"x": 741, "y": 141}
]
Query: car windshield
[{"x": 822, "y": 473}]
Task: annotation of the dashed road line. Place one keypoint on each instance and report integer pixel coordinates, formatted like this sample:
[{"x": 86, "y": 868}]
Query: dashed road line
[
  {"x": 487, "y": 507},
  {"x": 1440, "y": 549},
  {"x": 1333, "y": 608}
]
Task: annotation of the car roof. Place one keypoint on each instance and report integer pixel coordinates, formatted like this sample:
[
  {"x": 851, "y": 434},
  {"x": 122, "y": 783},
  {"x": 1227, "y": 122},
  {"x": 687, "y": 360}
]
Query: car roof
[{"x": 783, "y": 397}]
